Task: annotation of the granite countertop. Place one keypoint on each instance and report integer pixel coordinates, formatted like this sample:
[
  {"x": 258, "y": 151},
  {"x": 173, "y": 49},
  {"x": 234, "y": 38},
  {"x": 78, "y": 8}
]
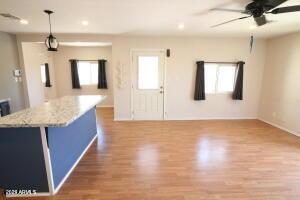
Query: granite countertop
[{"x": 58, "y": 112}]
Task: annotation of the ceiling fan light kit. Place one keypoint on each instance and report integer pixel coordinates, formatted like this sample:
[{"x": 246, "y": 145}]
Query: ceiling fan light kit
[
  {"x": 51, "y": 42},
  {"x": 258, "y": 9}
]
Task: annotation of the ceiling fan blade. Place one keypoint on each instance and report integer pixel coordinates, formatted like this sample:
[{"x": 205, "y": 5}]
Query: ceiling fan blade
[
  {"x": 286, "y": 9},
  {"x": 261, "y": 20},
  {"x": 230, "y": 21},
  {"x": 227, "y": 10},
  {"x": 271, "y": 3},
  {"x": 221, "y": 5}
]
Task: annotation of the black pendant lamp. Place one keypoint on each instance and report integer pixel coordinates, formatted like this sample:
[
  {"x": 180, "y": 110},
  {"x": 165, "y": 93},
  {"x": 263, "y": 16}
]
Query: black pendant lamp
[{"x": 51, "y": 41}]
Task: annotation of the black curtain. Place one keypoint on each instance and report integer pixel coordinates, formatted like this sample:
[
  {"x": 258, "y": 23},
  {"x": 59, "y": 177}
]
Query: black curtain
[
  {"x": 102, "y": 82},
  {"x": 200, "y": 82},
  {"x": 74, "y": 75},
  {"x": 238, "y": 87},
  {"x": 47, "y": 74},
  {"x": 4, "y": 109}
]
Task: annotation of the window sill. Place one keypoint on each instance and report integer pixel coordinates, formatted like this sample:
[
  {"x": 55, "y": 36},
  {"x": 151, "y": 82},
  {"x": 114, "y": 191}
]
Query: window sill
[
  {"x": 89, "y": 85},
  {"x": 227, "y": 93}
]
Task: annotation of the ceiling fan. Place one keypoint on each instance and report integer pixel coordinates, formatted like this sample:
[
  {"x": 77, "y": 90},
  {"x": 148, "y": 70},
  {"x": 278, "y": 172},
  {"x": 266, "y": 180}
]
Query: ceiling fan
[{"x": 258, "y": 9}]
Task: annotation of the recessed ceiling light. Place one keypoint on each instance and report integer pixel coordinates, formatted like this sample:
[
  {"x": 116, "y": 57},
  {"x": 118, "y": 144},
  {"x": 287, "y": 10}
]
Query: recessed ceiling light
[
  {"x": 252, "y": 27},
  {"x": 181, "y": 26},
  {"x": 85, "y": 23},
  {"x": 23, "y": 21}
]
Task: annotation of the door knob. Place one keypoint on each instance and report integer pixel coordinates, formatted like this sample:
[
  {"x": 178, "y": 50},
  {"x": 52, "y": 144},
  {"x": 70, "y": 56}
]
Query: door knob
[{"x": 161, "y": 92}]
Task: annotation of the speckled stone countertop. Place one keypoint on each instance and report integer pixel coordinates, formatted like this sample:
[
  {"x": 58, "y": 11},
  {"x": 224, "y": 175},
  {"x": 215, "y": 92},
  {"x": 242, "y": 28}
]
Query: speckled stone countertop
[{"x": 54, "y": 113}]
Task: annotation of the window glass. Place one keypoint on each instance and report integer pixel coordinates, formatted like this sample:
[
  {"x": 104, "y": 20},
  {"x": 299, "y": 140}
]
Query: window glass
[
  {"x": 88, "y": 72},
  {"x": 219, "y": 78},
  {"x": 210, "y": 77},
  {"x": 43, "y": 73},
  {"x": 94, "y": 73},
  {"x": 148, "y": 74},
  {"x": 226, "y": 78}
]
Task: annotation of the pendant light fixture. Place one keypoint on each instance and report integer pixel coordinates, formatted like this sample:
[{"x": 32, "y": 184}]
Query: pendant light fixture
[{"x": 51, "y": 41}]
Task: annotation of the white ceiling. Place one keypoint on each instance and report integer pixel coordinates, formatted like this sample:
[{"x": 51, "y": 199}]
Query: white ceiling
[{"x": 140, "y": 17}]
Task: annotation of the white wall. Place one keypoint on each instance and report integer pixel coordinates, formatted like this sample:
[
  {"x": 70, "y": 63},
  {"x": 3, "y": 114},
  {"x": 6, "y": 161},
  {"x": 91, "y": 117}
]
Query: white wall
[
  {"x": 185, "y": 51},
  {"x": 180, "y": 75},
  {"x": 63, "y": 73},
  {"x": 9, "y": 61},
  {"x": 34, "y": 55},
  {"x": 280, "y": 97}
]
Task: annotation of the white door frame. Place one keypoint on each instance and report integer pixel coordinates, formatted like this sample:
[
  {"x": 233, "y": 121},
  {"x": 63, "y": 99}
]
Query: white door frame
[{"x": 132, "y": 51}]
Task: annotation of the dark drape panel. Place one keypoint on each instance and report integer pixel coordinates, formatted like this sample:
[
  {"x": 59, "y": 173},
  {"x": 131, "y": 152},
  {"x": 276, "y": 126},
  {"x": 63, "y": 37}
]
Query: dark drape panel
[
  {"x": 74, "y": 75},
  {"x": 200, "y": 82},
  {"x": 47, "y": 74},
  {"x": 102, "y": 82},
  {"x": 238, "y": 87},
  {"x": 4, "y": 108}
]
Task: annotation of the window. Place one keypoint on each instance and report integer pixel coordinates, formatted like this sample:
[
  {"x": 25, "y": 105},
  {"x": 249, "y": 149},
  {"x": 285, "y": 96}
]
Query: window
[
  {"x": 88, "y": 72},
  {"x": 148, "y": 74},
  {"x": 43, "y": 73},
  {"x": 219, "y": 78}
]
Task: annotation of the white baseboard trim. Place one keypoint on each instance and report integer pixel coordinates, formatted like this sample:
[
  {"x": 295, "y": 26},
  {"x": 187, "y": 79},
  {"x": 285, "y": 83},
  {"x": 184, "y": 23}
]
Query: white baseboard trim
[
  {"x": 189, "y": 119},
  {"x": 280, "y": 127},
  {"x": 123, "y": 119},
  {"x": 38, "y": 194},
  {"x": 104, "y": 106},
  {"x": 210, "y": 118},
  {"x": 75, "y": 164}
]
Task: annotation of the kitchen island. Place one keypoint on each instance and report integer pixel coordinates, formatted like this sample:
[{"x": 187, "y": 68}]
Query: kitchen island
[{"x": 40, "y": 146}]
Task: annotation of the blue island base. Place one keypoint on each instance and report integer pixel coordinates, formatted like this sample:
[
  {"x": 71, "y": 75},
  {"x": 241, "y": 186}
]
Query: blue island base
[{"x": 37, "y": 161}]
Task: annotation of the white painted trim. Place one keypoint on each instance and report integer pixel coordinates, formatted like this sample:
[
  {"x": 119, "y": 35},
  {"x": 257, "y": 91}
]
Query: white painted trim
[
  {"x": 38, "y": 194},
  {"x": 123, "y": 119},
  {"x": 132, "y": 51},
  {"x": 190, "y": 119},
  {"x": 103, "y": 106},
  {"x": 131, "y": 82},
  {"x": 280, "y": 127},
  {"x": 143, "y": 119},
  {"x": 47, "y": 159},
  {"x": 75, "y": 164},
  {"x": 165, "y": 86},
  {"x": 210, "y": 118}
]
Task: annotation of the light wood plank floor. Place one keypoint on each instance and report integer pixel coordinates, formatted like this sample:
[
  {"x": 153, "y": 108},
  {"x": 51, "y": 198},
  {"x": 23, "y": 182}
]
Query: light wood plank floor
[{"x": 187, "y": 160}]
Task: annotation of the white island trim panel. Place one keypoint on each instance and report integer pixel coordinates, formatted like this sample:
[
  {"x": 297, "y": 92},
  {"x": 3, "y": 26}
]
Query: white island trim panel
[{"x": 58, "y": 112}]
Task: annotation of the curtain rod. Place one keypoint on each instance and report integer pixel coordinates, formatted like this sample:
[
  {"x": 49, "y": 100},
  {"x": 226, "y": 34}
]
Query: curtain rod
[
  {"x": 86, "y": 60},
  {"x": 222, "y": 62}
]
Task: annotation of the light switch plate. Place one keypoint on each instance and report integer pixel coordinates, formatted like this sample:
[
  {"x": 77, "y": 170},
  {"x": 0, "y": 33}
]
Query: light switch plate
[{"x": 17, "y": 73}]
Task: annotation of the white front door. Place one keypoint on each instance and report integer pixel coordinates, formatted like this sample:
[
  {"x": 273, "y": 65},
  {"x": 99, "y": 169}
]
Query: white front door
[{"x": 148, "y": 85}]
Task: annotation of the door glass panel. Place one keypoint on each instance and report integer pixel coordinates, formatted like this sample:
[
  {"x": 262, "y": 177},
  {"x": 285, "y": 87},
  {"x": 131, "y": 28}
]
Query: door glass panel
[{"x": 148, "y": 73}]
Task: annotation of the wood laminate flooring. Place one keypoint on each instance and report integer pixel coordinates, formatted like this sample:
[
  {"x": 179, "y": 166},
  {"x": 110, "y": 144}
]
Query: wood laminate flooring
[{"x": 186, "y": 160}]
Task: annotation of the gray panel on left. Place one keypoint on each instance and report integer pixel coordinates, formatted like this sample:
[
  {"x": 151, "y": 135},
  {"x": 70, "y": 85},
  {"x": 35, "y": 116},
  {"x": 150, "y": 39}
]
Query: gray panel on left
[{"x": 22, "y": 164}]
